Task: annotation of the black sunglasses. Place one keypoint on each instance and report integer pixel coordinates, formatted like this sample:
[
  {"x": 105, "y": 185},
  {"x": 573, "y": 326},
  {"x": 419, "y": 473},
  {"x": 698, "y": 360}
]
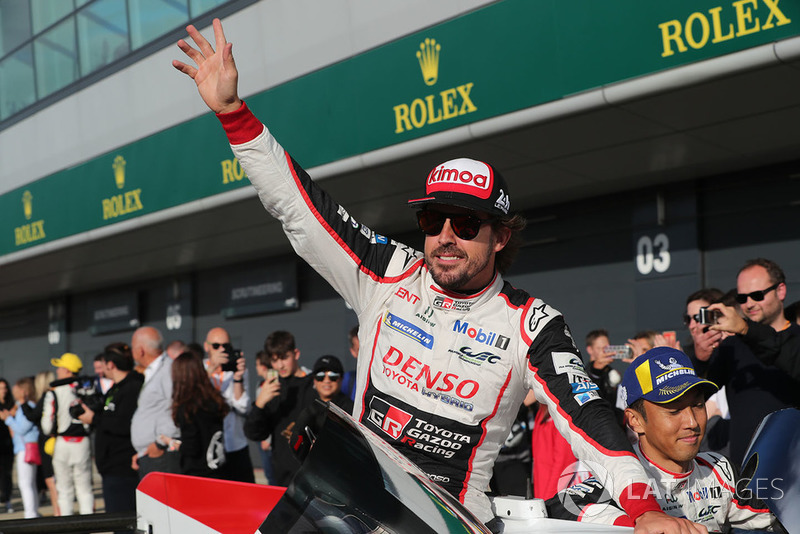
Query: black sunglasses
[
  {"x": 757, "y": 296},
  {"x": 688, "y": 318},
  {"x": 333, "y": 376},
  {"x": 464, "y": 225}
]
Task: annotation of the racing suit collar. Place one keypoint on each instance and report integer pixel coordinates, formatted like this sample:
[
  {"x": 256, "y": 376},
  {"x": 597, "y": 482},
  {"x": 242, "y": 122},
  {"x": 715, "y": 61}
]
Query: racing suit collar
[{"x": 647, "y": 462}]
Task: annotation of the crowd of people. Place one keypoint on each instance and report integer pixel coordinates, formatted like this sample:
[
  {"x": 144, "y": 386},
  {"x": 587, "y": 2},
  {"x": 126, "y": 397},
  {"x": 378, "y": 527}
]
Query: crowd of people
[{"x": 177, "y": 408}]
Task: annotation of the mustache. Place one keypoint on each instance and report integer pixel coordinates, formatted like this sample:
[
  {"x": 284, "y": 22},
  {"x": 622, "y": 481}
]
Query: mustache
[{"x": 448, "y": 250}]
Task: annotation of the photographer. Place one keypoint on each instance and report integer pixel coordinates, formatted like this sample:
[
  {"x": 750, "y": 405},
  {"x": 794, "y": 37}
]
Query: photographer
[
  {"x": 754, "y": 388},
  {"x": 112, "y": 426},
  {"x": 779, "y": 348},
  {"x": 72, "y": 459},
  {"x": 226, "y": 369}
]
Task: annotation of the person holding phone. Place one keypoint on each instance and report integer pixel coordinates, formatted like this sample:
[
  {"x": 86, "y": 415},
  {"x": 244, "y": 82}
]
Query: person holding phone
[
  {"x": 226, "y": 369},
  {"x": 283, "y": 395}
]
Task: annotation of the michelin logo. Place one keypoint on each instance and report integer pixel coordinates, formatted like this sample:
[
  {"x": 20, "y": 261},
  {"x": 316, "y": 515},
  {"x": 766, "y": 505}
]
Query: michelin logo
[{"x": 409, "y": 330}]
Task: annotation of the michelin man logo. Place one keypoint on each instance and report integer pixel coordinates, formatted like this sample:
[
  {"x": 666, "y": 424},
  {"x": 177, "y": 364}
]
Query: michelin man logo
[{"x": 673, "y": 364}]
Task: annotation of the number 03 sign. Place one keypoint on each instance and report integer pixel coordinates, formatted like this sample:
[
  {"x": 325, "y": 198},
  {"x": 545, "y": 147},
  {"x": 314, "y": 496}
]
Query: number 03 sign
[{"x": 652, "y": 254}]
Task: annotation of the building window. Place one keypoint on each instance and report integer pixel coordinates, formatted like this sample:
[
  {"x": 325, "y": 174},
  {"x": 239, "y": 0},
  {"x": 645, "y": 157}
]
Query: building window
[
  {"x": 153, "y": 18},
  {"x": 102, "y": 34},
  {"x": 56, "y": 58},
  {"x": 17, "y": 89},
  {"x": 48, "y": 45}
]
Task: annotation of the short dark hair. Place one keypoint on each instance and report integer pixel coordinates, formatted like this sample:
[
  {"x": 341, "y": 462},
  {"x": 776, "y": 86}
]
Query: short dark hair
[
  {"x": 264, "y": 359},
  {"x": 649, "y": 335},
  {"x": 352, "y": 334},
  {"x": 120, "y": 355},
  {"x": 279, "y": 342},
  {"x": 592, "y": 336},
  {"x": 516, "y": 223},
  {"x": 776, "y": 275},
  {"x": 709, "y": 294},
  {"x": 638, "y": 406}
]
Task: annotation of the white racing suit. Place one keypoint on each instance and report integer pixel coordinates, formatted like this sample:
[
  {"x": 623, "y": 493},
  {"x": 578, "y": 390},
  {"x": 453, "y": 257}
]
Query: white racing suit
[
  {"x": 706, "y": 495},
  {"x": 72, "y": 457},
  {"x": 440, "y": 376}
]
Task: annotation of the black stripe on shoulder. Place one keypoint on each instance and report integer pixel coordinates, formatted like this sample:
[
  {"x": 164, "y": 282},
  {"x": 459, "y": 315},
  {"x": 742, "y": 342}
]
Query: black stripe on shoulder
[{"x": 515, "y": 297}]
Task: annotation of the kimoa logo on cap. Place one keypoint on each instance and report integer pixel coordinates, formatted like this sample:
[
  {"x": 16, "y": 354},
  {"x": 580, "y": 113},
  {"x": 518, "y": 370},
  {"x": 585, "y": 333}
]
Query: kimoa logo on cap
[{"x": 462, "y": 176}]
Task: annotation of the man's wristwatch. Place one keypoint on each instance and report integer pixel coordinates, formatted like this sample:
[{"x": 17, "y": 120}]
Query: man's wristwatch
[{"x": 239, "y": 381}]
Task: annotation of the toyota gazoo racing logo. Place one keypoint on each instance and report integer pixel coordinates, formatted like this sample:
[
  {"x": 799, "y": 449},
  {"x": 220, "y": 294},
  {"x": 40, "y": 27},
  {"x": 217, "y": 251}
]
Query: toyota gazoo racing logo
[
  {"x": 487, "y": 338},
  {"x": 434, "y": 439},
  {"x": 446, "y": 303},
  {"x": 390, "y": 419},
  {"x": 462, "y": 176}
]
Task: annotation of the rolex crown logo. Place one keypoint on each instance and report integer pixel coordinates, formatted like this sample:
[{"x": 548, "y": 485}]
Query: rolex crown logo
[
  {"x": 119, "y": 171},
  {"x": 428, "y": 56},
  {"x": 27, "y": 204}
]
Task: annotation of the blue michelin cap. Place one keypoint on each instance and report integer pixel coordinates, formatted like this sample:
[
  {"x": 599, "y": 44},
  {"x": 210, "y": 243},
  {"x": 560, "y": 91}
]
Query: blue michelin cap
[{"x": 661, "y": 375}]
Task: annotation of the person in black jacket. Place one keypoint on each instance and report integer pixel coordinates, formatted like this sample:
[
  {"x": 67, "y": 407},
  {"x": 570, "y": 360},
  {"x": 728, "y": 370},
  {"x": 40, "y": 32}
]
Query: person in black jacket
[
  {"x": 754, "y": 387},
  {"x": 327, "y": 374},
  {"x": 198, "y": 410},
  {"x": 279, "y": 403},
  {"x": 112, "y": 425}
]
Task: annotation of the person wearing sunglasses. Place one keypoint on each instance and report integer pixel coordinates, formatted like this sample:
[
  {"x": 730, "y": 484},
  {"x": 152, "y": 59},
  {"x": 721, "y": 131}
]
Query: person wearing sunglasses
[
  {"x": 229, "y": 377},
  {"x": 760, "y": 365},
  {"x": 449, "y": 348}
]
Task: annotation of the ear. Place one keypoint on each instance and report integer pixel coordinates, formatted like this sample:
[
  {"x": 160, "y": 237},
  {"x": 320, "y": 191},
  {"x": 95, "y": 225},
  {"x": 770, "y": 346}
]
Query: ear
[
  {"x": 635, "y": 421},
  {"x": 296, "y": 354},
  {"x": 501, "y": 237},
  {"x": 781, "y": 290}
]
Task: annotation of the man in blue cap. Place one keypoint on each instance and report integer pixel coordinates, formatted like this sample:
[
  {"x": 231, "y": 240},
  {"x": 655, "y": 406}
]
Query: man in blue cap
[{"x": 665, "y": 408}]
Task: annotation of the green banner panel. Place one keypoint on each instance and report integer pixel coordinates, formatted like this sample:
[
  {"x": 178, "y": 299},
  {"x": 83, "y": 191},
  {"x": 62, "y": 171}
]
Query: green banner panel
[{"x": 508, "y": 56}]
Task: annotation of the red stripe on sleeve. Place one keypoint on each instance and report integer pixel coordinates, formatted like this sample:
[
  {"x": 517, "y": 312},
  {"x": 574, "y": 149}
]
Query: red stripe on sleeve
[
  {"x": 637, "y": 499},
  {"x": 241, "y": 125}
]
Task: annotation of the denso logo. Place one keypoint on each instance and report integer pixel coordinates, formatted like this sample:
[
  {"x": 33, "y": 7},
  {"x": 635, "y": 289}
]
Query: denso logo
[
  {"x": 487, "y": 338},
  {"x": 390, "y": 419},
  {"x": 462, "y": 176},
  {"x": 409, "y": 371}
]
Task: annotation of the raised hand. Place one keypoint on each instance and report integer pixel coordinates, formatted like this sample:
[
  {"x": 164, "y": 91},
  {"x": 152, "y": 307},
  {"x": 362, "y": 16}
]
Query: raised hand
[{"x": 215, "y": 75}]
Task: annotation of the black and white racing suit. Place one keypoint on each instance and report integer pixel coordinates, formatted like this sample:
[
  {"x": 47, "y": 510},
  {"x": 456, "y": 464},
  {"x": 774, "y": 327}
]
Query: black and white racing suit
[
  {"x": 706, "y": 495},
  {"x": 440, "y": 376}
]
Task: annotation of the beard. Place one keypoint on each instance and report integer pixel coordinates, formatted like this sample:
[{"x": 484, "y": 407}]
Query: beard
[{"x": 458, "y": 277}]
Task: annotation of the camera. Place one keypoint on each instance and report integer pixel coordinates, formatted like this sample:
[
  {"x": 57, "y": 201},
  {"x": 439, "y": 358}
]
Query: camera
[
  {"x": 707, "y": 316},
  {"x": 233, "y": 357},
  {"x": 87, "y": 392},
  {"x": 619, "y": 352}
]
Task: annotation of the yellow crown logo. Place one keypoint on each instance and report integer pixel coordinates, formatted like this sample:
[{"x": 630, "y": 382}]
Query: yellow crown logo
[
  {"x": 27, "y": 204},
  {"x": 428, "y": 56},
  {"x": 119, "y": 171}
]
